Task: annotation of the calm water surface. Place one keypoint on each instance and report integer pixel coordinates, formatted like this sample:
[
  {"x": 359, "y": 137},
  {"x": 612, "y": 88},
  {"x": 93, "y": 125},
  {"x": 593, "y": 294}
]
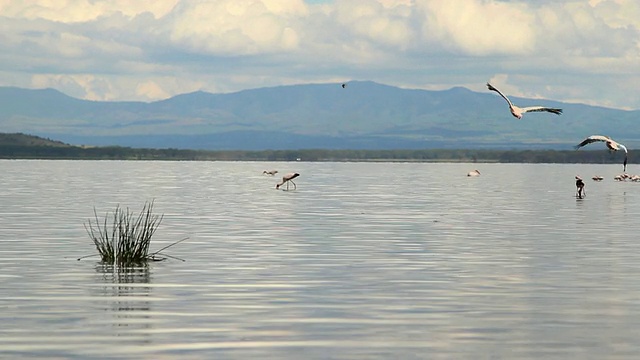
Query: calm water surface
[{"x": 362, "y": 261}]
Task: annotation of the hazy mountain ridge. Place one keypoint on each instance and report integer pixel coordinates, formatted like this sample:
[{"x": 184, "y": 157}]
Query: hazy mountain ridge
[{"x": 362, "y": 115}]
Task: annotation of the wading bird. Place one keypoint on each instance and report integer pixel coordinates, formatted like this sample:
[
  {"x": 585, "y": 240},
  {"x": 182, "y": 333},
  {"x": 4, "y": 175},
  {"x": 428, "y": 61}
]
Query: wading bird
[
  {"x": 288, "y": 179},
  {"x": 579, "y": 188},
  {"x": 611, "y": 145},
  {"x": 473, "y": 173},
  {"x": 270, "y": 172},
  {"x": 518, "y": 111}
]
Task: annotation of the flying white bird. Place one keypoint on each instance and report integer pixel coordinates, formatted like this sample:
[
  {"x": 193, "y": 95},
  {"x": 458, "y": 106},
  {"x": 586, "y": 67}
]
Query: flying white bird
[
  {"x": 270, "y": 172},
  {"x": 288, "y": 179},
  {"x": 518, "y": 111},
  {"x": 611, "y": 145}
]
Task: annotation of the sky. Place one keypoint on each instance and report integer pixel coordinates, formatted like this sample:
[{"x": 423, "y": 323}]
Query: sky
[{"x": 583, "y": 51}]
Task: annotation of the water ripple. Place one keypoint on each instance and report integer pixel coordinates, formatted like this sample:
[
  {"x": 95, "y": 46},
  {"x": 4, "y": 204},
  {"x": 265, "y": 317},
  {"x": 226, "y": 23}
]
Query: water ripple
[{"x": 362, "y": 261}]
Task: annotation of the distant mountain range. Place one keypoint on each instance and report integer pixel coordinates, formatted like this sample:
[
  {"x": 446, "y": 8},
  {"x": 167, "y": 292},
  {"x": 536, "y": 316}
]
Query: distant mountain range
[{"x": 364, "y": 115}]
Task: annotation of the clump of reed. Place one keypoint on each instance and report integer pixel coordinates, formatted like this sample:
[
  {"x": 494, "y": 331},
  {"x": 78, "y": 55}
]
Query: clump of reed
[{"x": 123, "y": 238}]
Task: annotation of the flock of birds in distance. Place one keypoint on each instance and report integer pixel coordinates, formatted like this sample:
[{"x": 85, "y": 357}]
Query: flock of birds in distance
[{"x": 517, "y": 112}]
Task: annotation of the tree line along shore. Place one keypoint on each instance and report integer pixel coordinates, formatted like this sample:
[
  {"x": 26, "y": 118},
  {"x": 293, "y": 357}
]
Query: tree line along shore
[
  {"x": 58, "y": 152},
  {"x": 25, "y": 146}
]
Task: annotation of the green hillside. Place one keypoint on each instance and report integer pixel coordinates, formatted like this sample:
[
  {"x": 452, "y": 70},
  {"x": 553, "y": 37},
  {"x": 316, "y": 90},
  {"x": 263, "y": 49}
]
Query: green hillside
[{"x": 20, "y": 139}]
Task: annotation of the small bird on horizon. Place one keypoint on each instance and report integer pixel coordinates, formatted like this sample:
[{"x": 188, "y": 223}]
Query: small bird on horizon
[
  {"x": 518, "y": 111},
  {"x": 473, "y": 173},
  {"x": 270, "y": 172},
  {"x": 288, "y": 178},
  {"x": 612, "y": 145}
]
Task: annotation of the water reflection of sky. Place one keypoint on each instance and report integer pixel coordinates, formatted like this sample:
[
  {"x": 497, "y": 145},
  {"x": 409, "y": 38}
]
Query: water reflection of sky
[{"x": 375, "y": 260}]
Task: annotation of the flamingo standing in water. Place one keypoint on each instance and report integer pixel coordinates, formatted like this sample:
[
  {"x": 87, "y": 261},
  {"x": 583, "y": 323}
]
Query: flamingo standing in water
[
  {"x": 288, "y": 179},
  {"x": 611, "y": 145},
  {"x": 518, "y": 111}
]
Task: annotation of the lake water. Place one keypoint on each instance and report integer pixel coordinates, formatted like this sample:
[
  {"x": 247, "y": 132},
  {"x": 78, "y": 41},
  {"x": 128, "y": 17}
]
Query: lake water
[{"x": 362, "y": 261}]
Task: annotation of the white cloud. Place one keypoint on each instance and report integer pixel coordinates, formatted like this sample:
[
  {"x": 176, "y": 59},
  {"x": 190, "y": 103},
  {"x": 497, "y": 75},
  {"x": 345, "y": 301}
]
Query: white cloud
[
  {"x": 119, "y": 49},
  {"x": 378, "y": 22},
  {"x": 151, "y": 90},
  {"x": 66, "y": 11},
  {"x": 618, "y": 13},
  {"x": 107, "y": 87},
  {"x": 236, "y": 27},
  {"x": 477, "y": 27},
  {"x": 89, "y": 86}
]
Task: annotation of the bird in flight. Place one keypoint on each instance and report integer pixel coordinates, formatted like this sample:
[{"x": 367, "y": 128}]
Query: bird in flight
[
  {"x": 518, "y": 111},
  {"x": 288, "y": 179},
  {"x": 270, "y": 172},
  {"x": 611, "y": 145}
]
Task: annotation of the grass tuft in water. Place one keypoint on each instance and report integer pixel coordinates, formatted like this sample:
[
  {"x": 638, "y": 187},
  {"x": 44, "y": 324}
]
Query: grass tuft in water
[{"x": 122, "y": 238}]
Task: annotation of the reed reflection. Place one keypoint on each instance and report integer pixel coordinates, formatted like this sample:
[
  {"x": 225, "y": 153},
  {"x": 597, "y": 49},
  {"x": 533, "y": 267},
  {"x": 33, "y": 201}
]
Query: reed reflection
[{"x": 128, "y": 299}]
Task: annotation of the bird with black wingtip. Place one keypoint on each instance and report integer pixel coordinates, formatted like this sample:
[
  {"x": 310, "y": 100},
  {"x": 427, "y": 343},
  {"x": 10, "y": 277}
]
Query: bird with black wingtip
[
  {"x": 517, "y": 111},
  {"x": 612, "y": 145}
]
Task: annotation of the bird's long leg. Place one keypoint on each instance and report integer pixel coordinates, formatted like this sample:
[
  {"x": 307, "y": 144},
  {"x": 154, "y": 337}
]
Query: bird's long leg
[
  {"x": 287, "y": 186},
  {"x": 294, "y": 185}
]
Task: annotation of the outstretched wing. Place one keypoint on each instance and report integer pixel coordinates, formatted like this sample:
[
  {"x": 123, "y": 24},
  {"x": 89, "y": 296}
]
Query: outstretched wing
[
  {"x": 490, "y": 87},
  {"x": 591, "y": 139},
  {"x": 542, "y": 108}
]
